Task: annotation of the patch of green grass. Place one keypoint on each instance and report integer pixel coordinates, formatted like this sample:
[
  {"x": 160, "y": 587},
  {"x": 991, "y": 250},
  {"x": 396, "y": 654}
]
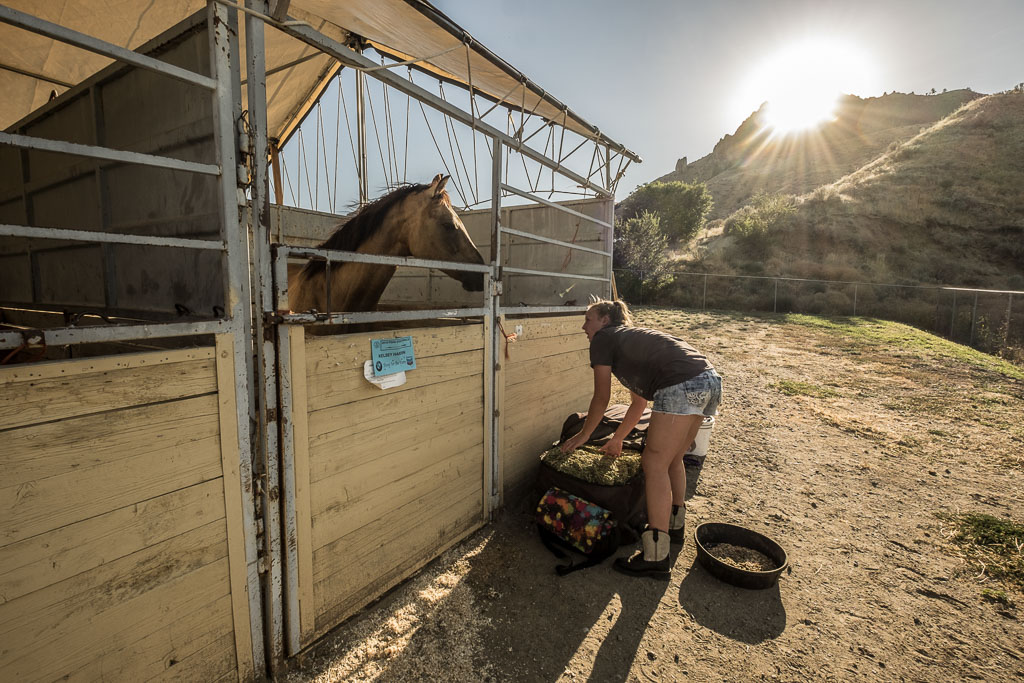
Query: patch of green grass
[
  {"x": 995, "y": 595},
  {"x": 793, "y": 388},
  {"x": 907, "y": 339},
  {"x": 995, "y": 544}
]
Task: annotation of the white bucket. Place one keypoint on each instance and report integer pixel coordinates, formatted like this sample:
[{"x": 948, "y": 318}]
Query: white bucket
[{"x": 700, "y": 444}]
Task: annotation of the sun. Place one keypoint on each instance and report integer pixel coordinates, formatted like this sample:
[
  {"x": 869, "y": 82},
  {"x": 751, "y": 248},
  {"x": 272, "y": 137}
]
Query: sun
[{"x": 801, "y": 83}]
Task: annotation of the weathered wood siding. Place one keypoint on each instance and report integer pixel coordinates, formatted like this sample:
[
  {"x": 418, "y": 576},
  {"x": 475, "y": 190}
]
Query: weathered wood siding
[
  {"x": 115, "y": 561},
  {"x": 545, "y": 377},
  {"x": 385, "y": 480}
]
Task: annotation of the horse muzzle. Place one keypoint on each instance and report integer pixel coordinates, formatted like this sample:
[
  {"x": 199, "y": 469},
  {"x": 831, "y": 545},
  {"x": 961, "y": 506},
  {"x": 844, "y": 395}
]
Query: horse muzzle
[{"x": 471, "y": 282}]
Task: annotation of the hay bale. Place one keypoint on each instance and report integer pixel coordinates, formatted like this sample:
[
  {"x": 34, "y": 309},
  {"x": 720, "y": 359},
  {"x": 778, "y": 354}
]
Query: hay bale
[{"x": 591, "y": 465}]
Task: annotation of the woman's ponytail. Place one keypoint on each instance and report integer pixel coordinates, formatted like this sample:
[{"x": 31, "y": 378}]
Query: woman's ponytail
[{"x": 617, "y": 311}]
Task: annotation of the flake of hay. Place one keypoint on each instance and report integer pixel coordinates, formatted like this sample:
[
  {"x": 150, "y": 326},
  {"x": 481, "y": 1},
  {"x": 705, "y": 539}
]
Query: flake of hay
[
  {"x": 591, "y": 465},
  {"x": 746, "y": 559}
]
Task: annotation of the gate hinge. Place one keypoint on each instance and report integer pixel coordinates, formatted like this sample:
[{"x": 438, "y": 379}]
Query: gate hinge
[
  {"x": 496, "y": 287},
  {"x": 271, "y": 415}
]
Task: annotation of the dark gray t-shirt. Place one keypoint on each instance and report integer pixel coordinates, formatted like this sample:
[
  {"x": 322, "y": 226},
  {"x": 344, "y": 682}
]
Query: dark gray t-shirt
[{"x": 646, "y": 360}]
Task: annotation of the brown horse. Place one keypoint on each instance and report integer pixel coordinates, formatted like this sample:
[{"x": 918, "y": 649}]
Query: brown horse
[{"x": 414, "y": 220}]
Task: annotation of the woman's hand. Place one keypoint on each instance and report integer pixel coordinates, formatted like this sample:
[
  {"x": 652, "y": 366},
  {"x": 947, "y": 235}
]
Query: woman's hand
[
  {"x": 573, "y": 442},
  {"x": 613, "y": 448}
]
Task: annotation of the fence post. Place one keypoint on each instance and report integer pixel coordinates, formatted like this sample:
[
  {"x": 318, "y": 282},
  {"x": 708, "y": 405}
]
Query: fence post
[
  {"x": 952, "y": 319},
  {"x": 1009, "y": 311},
  {"x": 855, "y": 298},
  {"x": 974, "y": 318},
  {"x": 775, "y": 303},
  {"x": 704, "y": 303}
]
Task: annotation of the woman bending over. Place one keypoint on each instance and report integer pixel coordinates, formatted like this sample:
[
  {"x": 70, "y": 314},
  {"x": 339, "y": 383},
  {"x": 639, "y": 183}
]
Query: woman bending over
[{"x": 683, "y": 386}]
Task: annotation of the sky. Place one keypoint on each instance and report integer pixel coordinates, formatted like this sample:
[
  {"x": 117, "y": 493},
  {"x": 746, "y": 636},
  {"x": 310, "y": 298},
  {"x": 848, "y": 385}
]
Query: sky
[{"x": 669, "y": 79}]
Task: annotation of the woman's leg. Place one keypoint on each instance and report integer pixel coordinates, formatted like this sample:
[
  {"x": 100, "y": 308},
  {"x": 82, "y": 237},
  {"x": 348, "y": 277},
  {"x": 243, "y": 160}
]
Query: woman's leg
[
  {"x": 668, "y": 437},
  {"x": 677, "y": 471}
]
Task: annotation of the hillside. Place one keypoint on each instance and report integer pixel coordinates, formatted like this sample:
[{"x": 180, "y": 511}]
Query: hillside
[
  {"x": 943, "y": 206},
  {"x": 752, "y": 160}
]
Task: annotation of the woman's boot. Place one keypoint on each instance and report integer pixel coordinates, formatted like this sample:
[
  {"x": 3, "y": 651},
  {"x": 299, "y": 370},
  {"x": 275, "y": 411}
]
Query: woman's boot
[
  {"x": 677, "y": 524},
  {"x": 652, "y": 557}
]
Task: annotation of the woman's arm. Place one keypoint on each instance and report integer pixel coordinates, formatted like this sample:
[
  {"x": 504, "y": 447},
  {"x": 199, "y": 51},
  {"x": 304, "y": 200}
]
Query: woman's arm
[
  {"x": 598, "y": 404},
  {"x": 632, "y": 416}
]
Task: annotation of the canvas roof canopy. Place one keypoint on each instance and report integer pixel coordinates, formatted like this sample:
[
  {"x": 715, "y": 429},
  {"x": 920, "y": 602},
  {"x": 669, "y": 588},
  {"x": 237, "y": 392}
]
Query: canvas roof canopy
[{"x": 33, "y": 66}]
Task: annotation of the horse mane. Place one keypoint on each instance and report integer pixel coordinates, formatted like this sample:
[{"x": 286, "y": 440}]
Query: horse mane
[{"x": 363, "y": 225}]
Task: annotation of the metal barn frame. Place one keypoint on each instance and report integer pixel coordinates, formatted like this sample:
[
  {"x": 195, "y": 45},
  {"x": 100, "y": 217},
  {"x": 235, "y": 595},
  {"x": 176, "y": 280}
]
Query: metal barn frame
[{"x": 255, "y": 270}]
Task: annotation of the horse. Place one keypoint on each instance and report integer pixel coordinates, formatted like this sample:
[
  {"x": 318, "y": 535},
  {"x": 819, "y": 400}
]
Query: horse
[{"x": 413, "y": 220}]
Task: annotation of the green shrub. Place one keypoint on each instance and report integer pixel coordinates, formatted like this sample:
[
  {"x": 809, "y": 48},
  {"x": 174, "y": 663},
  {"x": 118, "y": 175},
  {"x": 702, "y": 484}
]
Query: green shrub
[
  {"x": 682, "y": 207},
  {"x": 641, "y": 246}
]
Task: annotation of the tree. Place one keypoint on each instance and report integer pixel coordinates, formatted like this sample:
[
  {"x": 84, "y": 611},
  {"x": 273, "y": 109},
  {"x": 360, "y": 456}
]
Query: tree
[
  {"x": 640, "y": 245},
  {"x": 682, "y": 207}
]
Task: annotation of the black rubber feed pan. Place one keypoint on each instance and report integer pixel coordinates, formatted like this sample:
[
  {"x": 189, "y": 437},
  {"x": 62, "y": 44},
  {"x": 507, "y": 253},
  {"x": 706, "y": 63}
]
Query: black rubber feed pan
[{"x": 711, "y": 533}]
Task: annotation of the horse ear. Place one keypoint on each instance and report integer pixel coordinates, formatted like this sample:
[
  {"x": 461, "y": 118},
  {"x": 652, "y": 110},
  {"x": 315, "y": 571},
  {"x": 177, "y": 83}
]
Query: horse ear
[{"x": 440, "y": 181}]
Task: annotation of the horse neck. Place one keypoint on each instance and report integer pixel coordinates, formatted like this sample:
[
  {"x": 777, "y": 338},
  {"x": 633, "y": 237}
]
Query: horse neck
[{"x": 359, "y": 286}]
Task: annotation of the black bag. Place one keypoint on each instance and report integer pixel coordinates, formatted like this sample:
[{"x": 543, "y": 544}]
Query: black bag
[
  {"x": 567, "y": 522},
  {"x": 610, "y": 421},
  {"x": 626, "y": 502}
]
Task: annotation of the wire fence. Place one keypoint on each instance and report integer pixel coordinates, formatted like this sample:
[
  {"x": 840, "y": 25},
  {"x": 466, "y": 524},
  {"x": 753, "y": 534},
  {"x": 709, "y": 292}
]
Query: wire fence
[{"x": 982, "y": 318}]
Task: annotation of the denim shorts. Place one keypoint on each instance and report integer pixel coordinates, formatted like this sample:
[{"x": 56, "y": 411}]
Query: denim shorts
[{"x": 697, "y": 396}]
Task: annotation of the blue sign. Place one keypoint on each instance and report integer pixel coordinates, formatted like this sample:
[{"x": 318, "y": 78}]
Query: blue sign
[{"x": 392, "y": 355}]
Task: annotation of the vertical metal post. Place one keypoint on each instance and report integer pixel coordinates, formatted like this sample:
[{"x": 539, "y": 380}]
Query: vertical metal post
[
  {"x": 222, "y": 26},
  {"x": 704, "y": 300},
  {"x": 361, "y": 136},
  {"x": 1009, "y": 318},
  {"x": 495, "y": 282},
  {"x": 775, "y": 303},
  {"x": 103, "y": 200},
  {"x": 974, "y": 318},
  {"x": 855, "y": 298},
  {"x": 952, "y": 319},
  {"x": 267, "y": 446}
]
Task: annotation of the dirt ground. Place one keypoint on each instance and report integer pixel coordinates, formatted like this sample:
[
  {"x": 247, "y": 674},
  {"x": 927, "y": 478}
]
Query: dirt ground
[{"x": 843, "y": 446}]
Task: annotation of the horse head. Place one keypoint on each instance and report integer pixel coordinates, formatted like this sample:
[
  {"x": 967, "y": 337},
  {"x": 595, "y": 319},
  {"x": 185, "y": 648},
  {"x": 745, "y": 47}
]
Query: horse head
[{"x": 434, "y": 231}]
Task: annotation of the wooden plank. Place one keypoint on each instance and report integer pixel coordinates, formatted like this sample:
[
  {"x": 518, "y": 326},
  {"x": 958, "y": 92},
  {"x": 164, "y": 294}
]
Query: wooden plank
[
  {"x": 335, "y": 455},
  {"x": 76, "y": 444},
  {"x": 530, "y": 350},
  {"x": 84, "y": 366},
  {"x": 48, "y": 399},
  {"x": 303, "y": 508},
  {"x": 347, "y": 385},
  {"x": 335, "y": 523},
  {"x": 542, "y": 328},
  {"x": 350, "y": 350},
  {"x": 234, "y": 500},
  {"x": 530, "y": 392},
  {"x": 540, "y": 369},
  {"x": 47, "y": 559},
  {"x": 35, "y": 507},
  {"x": 213, "y": 663},
  {"x": 120, "y": 579},
  {"x": 366, "y": 418},
  {"x": 201, "y": 644},
  {"x": 55, "y": 643},
  {"x": 377, "y": 469},
  {"x": 389, "y": 559}
]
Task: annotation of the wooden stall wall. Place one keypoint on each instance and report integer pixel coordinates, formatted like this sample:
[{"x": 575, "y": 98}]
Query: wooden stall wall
[
  {"x": 121, "y": 550},
  {"x": 386, "y": 480},
  {"x": 545, "y": 377}
]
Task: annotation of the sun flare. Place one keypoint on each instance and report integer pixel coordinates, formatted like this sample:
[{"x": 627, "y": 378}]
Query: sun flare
[{"x": 801, "y": 83}]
